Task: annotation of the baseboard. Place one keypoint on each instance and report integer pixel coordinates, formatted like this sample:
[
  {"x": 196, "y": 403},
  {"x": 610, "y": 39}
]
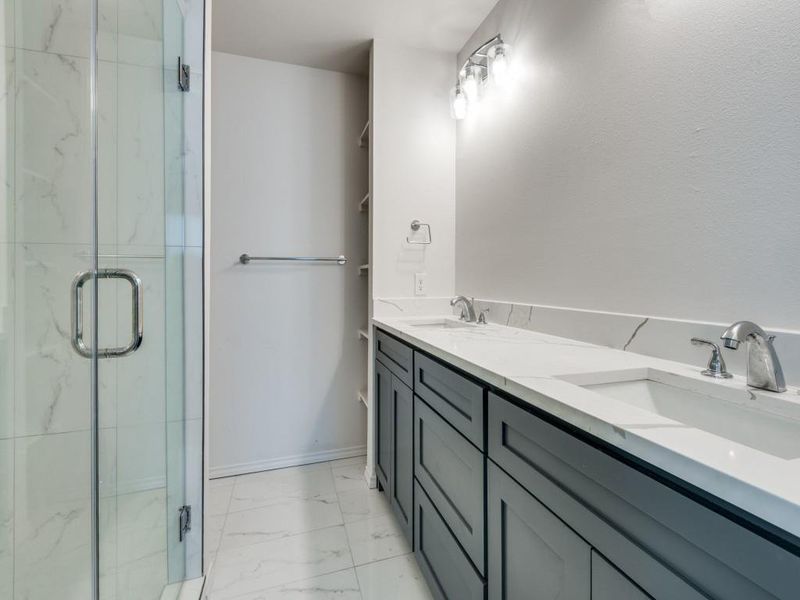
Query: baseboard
[{"x": 286, "y": 461}]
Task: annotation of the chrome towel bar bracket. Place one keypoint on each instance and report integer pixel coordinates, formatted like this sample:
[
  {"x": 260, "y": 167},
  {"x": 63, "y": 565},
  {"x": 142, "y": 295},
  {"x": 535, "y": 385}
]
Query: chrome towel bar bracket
[
  {"x": 246, "y": 259},
  {"x": 416, "y": 225}
]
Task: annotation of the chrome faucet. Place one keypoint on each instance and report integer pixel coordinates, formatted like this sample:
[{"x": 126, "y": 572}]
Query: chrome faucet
[
  {"x": 467, "y": 310},
  {"x": 764, "y": 370}
]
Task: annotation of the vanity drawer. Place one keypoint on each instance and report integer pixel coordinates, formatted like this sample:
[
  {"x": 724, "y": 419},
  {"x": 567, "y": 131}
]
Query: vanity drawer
[
  {"x": 451, "y": 471},
  {"x": 458, "y": 399},
  {"x": 669, "y": 543},
  {"x": 446, "y": 568},
  {"x": 396, "y": 356}
]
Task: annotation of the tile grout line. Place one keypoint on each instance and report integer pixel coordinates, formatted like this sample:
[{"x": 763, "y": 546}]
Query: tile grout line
[
  {"x": 282, "y": 585},
  {"x": 229, "y": 512},
  {"x": 279, "y": 537},
  {"x": 343, "y": 523},
  {"x": 360, "y": 518},
  {"x": 353, "y": 567},
  {"x": 336, "y": 493},
  {"x": 209, "y": 574}
]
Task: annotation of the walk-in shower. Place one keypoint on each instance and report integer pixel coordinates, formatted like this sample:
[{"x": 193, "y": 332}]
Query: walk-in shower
[{"x": 101, "y": 242}]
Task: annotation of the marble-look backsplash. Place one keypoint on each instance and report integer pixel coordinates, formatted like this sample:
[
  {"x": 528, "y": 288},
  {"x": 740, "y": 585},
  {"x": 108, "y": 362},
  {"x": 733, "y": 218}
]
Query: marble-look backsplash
[
  {"x": 651, "y": 336},
  {"x": 411, "y": 307}
]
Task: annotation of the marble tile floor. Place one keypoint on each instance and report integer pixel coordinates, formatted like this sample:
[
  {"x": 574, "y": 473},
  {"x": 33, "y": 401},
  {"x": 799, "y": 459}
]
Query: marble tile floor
[{"x": 314, "y": 532}]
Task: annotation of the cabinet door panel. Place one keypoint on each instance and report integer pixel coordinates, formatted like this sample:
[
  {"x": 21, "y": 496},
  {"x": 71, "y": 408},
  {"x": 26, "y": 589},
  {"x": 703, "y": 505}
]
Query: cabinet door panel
[
  {"x": 451, "y": 470},
  {"x": 532, "y": 554},
  {"x": 446, "y": 568},
  {"x": 383, "y": 425},
  {"x": 402, "y": 491},
  {"x": 609, "y": 584}
]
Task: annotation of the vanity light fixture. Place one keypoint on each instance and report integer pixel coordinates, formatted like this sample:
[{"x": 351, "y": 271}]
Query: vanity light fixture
[
  {"x": 458, "y": 103},
  {"x": 490, "y": 59},
  {"x": 472, "y": 82},
  {"x": 499, "y": 64}
]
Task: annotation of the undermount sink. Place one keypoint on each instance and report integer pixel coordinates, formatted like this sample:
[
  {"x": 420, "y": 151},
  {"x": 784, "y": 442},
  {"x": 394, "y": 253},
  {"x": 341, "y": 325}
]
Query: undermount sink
[
  {"x": 736, "y": 414},
  {"x": 441, "y": 323}
]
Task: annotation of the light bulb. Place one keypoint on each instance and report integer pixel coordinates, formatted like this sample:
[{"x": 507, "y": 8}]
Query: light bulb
[
  {"x": 472, "y": 83},
  {"x": 458, "y": 103},
  {"x": 499, "y": 67},
  {"x": 500, "y": 70}
]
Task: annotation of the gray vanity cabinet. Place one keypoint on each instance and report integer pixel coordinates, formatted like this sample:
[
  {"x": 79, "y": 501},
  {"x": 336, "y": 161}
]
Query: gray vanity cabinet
[
  {"x": 532, "y": 553},
  {"x": 504, "y": 500},
  {"x": 608, "y": 583},
  {"x": 670, "y": 545},
  {"x": 394, "y": 407}
]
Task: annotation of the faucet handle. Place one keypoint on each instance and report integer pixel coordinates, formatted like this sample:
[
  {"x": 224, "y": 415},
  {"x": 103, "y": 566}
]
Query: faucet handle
[
  {"x": 482, "y": 317},
  {"x": 716, "y": 364}
]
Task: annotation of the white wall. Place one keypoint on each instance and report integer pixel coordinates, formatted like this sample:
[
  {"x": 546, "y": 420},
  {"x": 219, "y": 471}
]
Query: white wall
[
  {"x": 413, "y": 169},
  {"x": 285, "y": 363},
  {"x": 412, "y": 160},
  {"x": 646, "y": 161}
]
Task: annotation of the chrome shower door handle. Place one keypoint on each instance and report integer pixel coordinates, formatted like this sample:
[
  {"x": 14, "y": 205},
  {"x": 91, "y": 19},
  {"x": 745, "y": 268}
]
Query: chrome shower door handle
[{"x": 137, "y": 312}]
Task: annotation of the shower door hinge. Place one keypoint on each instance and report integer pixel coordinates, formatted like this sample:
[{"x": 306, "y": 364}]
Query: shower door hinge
[
  {"x": 184, "y": 521},
  {"x": 184, "y": 76}
]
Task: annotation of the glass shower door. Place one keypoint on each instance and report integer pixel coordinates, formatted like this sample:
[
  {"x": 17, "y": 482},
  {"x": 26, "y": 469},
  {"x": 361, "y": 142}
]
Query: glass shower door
[
  {"x": 149, "y": 400},
  {"x": 46, "y": 237},
  {"x": 99, "y": 450}
]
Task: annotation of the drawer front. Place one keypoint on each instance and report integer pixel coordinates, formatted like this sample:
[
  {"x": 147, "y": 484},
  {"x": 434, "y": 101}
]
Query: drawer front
[
  {"x": 397, "y": 357},
  {"x": 669, "y": 544},
  {"x": 445, "y": 567},
  {"x": 532, "y": 554},
  {"x": 451, "y": 470},
  {"x": 456, "y": 398}
]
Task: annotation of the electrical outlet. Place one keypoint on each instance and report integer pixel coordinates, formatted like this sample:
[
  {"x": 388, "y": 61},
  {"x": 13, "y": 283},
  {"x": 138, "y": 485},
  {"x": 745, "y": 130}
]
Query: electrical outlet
[{"x": 419, "y": 284}]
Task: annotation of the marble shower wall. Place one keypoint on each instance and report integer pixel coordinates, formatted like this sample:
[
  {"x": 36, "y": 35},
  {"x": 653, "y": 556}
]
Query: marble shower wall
[
  {"x": 652, "y": 336},
  {"x": 150, "y": 206}
]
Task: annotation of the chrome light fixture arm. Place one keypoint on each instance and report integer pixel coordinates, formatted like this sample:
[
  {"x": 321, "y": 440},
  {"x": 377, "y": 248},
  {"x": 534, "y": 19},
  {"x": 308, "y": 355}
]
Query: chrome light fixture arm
[{"x": 481, "y": 53}]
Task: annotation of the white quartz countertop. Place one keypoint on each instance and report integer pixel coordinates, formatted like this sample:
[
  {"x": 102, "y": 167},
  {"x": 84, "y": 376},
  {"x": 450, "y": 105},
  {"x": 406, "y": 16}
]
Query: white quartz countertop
[{"x": 532, "y": 366}]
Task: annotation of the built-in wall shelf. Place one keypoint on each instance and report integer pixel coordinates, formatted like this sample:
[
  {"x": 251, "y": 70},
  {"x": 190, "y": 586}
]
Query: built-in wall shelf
[
  {"x": 363, "y": 139},
  {"x": 366, "y": 207}
]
